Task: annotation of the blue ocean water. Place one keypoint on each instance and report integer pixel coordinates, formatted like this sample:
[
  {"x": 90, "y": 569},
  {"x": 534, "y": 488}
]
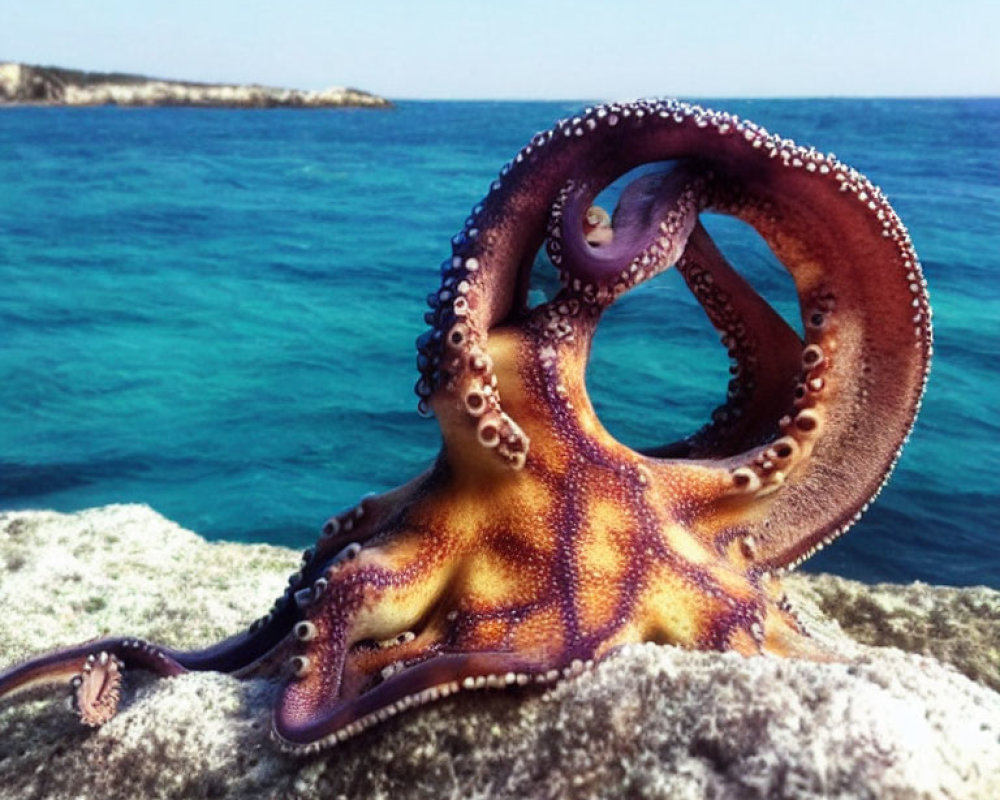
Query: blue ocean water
[{"x": 213, "y": 312}]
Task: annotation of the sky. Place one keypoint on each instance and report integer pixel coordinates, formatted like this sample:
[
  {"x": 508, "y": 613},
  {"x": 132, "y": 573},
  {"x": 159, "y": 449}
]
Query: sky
[{"x": 524, "y": 49}]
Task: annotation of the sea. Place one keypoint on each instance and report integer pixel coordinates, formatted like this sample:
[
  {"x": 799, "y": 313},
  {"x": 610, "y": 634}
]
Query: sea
[{"x": 214, "y": 311}]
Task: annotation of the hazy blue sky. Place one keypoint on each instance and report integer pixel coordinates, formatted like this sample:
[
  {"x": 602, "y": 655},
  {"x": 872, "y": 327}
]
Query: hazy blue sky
[{"x": 522, "y": 49}]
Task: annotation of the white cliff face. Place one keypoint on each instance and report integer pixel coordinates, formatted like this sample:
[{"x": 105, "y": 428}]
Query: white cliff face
[
  {"x": 10, "y": 80},
  {"x": 24, "y": 84},
  {"x": 648, "y": 721}
]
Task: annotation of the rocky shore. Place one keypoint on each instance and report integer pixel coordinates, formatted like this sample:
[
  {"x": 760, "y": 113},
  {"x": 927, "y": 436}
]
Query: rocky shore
[
  {"x": 913, "y": 712},
  {"x": 22, "y": 84}
]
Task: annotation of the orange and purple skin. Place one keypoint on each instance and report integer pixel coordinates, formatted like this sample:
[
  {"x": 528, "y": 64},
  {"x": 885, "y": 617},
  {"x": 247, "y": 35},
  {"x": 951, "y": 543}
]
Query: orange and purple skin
[{"x": 536, "y": 543}]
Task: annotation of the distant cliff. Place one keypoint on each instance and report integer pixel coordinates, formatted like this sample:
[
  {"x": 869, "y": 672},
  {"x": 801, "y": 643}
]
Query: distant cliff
[{"x": 24, "y": 84}]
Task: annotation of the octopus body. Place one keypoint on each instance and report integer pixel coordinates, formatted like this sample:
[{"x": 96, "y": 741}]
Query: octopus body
[{"x": 536, "y": 542}]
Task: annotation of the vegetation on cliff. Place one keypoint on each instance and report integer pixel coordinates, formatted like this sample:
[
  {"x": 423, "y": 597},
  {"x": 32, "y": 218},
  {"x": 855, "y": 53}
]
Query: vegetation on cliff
[{"x": 22, "y": 84}]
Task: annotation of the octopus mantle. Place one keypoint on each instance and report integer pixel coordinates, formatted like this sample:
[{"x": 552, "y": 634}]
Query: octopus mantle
[{"x": 536, "y": 542}]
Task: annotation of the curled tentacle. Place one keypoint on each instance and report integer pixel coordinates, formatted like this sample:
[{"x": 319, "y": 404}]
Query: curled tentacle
[
  {"x": 96, "y": 690},
  {"x": 766, "y": 354},
  {"x": 237, "y": 655},
  {"x": 648, "y": 233},
  {"x": 94, "y": 672},
  {"x": 859, "y": 283}
]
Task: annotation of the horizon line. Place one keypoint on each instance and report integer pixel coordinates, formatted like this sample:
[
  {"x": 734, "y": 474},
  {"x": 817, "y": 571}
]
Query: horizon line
[{"x": 682, "y": 96}]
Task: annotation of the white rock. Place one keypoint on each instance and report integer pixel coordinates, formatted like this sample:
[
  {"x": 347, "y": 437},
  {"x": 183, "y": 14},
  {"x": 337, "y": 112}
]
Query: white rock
[{"x": 649, "y": 721}]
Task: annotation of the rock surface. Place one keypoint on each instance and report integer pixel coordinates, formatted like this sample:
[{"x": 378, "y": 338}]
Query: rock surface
[
  {"x": 24, "y": 84},
  {"x": 649, "y": 721}
]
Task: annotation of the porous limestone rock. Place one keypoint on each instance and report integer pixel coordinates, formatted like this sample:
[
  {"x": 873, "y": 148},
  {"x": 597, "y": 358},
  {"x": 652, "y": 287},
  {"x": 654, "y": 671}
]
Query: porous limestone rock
[
  {"x": 958, "y": 626},
  {"x": 648, "y": 721}
]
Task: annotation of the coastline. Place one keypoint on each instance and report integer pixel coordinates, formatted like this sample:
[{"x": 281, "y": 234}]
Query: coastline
[
  {"x": 25, "y": 85},
  {"x": 658, "y": 720}
]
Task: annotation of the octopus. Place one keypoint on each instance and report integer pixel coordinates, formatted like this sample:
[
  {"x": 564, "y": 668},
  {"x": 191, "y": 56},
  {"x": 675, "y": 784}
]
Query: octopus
[{"x": 536, "y": 543}]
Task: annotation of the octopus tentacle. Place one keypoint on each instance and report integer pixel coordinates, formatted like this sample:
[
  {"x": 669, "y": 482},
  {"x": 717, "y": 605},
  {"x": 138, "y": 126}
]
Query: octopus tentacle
[
  {"x": 236, "y": 654},
  {"x": 650, "y": 226},
  {"x": 425, "y": 682},
  {"x": 766, "y": 354},
  {"x": 66, "y": 665},
  {"x": 96, "y": 690},
  {"x": 866, "y": 357},
  {"x": 111, "y": 657}
]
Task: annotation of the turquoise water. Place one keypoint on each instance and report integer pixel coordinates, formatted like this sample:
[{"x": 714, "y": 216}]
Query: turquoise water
[{"x": 213, "y": 312}]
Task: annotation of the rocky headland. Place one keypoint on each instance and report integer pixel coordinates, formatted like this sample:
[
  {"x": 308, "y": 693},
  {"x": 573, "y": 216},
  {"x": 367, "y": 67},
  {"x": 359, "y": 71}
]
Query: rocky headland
[
  {"x": 22, "y": 84},
  {"x": 912, "y": 712}
]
